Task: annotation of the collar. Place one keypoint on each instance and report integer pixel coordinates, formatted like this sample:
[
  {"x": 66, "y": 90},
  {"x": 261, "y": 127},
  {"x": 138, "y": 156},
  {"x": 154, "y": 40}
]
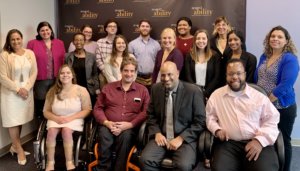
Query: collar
[
  {"x": 131, "y": 88},
  {"x": 246, "y": 92}
]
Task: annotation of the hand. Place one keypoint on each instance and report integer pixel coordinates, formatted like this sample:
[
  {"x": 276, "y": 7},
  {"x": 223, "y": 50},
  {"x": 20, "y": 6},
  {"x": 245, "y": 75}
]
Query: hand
[
  {"x": 272, "y": 97},
  {"x": 23, "y": 93},
  {"x": 253, "y": 149},
  {"x": 123, "y": 125},
  {"x": 222, "y": 135},
  {"x": 62, "y": 119},
  {"x": 175, "y": 143},
  {"x": 161, "y": 140}
]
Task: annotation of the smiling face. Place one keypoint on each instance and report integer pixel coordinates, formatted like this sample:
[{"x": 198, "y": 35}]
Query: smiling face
[
  {"x": 78, "y": 41},
  {"x": 168, "y": 39},
  {"x": 221, "y": 28},
  {"x": 120, "y": 44},
  {"x": 169, "y": 75},
  {"x": 201, "y": 40},
  {"x": 234, "y": 42},
  {"x": 128, "y": 73},
  {"x": 16, "y": 41},
  {"x": 45, "y": 33},
  {"x": 88, "y": 33},
  {"x": 183, "y": 28},
  {"x": 66, "y": 76},
  {"x": 277, "y": 40},
  {"x": 236, "y": 76},
  {"x": 145, "y": 29}
]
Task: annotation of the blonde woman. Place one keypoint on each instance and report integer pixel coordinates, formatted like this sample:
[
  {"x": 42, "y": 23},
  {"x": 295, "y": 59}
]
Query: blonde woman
[{"x": 18, "y": 71}]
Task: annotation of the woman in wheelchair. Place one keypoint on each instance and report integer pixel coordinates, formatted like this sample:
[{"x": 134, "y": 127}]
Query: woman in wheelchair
[{"x": 66, "y": 106}]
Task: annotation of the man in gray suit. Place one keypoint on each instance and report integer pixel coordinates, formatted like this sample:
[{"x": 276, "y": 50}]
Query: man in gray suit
[{"x": 187, "y": 121}]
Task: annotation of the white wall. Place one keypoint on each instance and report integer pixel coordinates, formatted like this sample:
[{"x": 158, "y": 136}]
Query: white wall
[
  {"x": 262, "y": 16},
  {"x": 25, "y": 16}
]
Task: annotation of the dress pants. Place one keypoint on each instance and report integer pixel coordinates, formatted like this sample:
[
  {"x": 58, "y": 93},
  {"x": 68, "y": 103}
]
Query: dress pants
[
  {"x": 231, "y": 156},
  {"x": 184, "y": 157},
  {"x": 109, "y": 143}
]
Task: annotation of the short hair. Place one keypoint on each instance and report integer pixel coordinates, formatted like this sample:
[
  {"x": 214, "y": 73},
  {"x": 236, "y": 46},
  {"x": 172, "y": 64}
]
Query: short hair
[
  {"x": 84, "y": 26},
  {"x": 235, "y": 60},
  {"x": 188, "y": 20},
  {"x": 76, "y": 34},
  {"x": 112, "y": 20},
  {"x": 218, "y": 20},
  {"x": 43, "y": 24},
  {"x": 7, "y": 46},
  {"x": 146, "y": 21},
  {"x": 128, "y": 61},
  {"x": 239, "y": 34}
]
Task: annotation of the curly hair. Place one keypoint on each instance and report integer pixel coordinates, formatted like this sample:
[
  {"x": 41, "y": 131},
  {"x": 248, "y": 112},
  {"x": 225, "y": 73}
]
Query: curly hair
[{"x": 289, "y": 47}]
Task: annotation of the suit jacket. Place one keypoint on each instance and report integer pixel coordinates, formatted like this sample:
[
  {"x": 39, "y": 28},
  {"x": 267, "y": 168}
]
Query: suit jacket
[
  {"x": 91, "y": 71},
  {"x": 212, "y": 73},
  {"x": 189, "y": 112}
]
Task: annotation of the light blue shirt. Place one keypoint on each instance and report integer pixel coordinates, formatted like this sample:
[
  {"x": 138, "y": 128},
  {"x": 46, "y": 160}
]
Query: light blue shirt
[{"x": 145, "y": 53}]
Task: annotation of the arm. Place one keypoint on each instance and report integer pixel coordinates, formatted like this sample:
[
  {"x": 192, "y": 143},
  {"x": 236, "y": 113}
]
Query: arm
[
  {"x": 4, "y": 66},
  {"x": 108, "y": 73},
  {"x": 177, "y": 58},
  {"x": 211, "y": 116},
  {"x": 99, "y": 107},
  {"x": 188, "y": 64},
  {"x": 250, "y": 67},
  {"x": 213, "y": 84}
]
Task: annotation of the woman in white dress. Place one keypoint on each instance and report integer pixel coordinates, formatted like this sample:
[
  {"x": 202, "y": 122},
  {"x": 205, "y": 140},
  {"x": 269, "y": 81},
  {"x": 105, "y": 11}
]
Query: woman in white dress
[
  {"x": 18, "y": 72},
  {"x": 66, "y": 106}
]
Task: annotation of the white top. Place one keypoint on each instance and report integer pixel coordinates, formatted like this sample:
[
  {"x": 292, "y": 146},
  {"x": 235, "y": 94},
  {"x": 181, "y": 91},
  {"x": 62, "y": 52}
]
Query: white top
[{"x": 200, "y": 70}]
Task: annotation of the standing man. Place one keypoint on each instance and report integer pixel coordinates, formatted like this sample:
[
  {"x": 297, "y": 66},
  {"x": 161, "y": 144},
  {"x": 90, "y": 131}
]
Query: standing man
[
  {"x": 144, "y": 48},
  {"x": 120, "y": 110},
  {"x": 104, "y": 45},
  {"x": 176, "y": 118},
  {"x": 244, "y": 122}
]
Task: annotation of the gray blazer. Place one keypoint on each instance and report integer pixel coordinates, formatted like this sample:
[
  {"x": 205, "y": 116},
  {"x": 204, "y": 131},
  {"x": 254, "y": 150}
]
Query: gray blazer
[
  {"x": 91, "y": 70},
  {"x": 189, "y": 112}
]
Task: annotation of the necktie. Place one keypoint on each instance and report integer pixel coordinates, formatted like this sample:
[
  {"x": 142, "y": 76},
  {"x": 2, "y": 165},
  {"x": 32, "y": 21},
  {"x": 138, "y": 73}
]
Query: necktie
[{"x": 169, "y": 117}]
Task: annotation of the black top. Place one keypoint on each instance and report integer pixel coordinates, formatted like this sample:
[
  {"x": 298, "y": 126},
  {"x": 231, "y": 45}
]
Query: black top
[{"x": 79, "y": 69}]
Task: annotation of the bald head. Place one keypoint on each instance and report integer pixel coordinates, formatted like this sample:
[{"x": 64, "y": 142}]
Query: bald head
[{"x": 169, "y": 74}]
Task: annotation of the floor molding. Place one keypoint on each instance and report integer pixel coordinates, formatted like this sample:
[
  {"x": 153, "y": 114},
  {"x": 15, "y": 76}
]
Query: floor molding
[
  {"x": 296, "y": 142},
  {"x": 24, "y": 139}
]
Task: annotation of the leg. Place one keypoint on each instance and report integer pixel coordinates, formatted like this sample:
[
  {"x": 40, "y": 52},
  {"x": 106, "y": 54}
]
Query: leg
[
  {"x": 267, "y": 160},
  {"x": 182, "y": 161},
  {"x": 123, "y": 144},
  {"x": 67, "y": 135},
  {"x": 51, "y": 143},
  {"x": 286, "y": 123},
  {"x": 227, "y": 155},
  {"x": 106, "y": 140},
  {"x": 14, "y": 133},
  {"x": 152, "y": 156}
]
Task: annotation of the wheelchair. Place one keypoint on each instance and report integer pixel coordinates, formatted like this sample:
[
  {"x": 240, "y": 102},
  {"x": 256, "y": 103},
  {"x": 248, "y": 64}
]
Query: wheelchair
[{"x": 39, "y": 146}]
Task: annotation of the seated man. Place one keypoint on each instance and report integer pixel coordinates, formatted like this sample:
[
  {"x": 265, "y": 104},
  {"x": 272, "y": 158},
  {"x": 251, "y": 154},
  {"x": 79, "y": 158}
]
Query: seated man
[
  {"x": 244, "y": 122},
  {"x": 120, "y": 109},
  {"x": 173, "y": 128}
]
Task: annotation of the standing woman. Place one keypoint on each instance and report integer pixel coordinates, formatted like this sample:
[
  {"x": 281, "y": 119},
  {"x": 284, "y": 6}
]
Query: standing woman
[
  {"x": 113, "y": 62},
  {"x": 277, "y": 73},
  {"x": 89, "y": 44},
  {"x": 18, "y": 72},
  {"x": 184, "y": 40},
  {"x": 84, "y": 65},
  {"x": 66, "y": 106},
  {"x": 169, "y": 52},
  {"x": 236, "y": 43},
  {"x": 202, "y": 65},
  {"x": 49, "y": 53}
]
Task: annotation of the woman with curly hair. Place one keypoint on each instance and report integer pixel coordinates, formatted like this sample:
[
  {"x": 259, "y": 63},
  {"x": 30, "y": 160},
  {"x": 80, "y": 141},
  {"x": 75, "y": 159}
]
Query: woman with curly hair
[{"x": 277, "y": 73}]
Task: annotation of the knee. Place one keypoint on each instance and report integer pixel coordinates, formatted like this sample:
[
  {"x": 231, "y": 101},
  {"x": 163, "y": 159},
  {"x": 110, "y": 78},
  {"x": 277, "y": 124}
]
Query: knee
[
  {"x": 67, "y": 134},
  {"x": 52, "y": 133}
]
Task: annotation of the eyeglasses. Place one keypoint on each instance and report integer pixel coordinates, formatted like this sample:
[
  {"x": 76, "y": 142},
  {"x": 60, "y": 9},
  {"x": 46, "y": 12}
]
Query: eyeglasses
[
  {"x": 112, "y": 26},
  {"x": 232, "y": 74}
]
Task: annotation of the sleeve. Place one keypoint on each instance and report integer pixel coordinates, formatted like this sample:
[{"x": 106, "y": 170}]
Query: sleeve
[
  {"x": 213, "y": 84},
  {"x": 178, "y": 59},
  {"x": 156, "y": 68},
  {"x": 33, "y": 71},
  {"x": 95, "y": 75},
  {"x": 5, "y": 81},
  {"x": 108, "y": 73},
  {"x": 187, "y": 69},
  {"x": 130, "y": 48},
  {"x": 85, "y": 99},
  {"x": 250, "y": 68},
  {"x": 99, "y": 107},
  {"x": 211, "y": 116},
  {"x": 268, "y": 131}
]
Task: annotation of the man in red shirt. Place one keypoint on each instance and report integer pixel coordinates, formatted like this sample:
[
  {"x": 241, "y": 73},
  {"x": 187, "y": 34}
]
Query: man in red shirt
[{"x": 120, "y": 110}]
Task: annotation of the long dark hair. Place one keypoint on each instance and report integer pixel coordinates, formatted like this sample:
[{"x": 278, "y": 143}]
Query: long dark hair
[
  {"x": 125, "y": 54},
  {"x": 42, "y": 24},
  {"x": 240, "y": 36},
  {"x": 7, "y": 47}
]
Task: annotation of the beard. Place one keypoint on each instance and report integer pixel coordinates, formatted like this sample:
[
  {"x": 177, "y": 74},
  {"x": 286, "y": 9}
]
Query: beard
[{"x": 237, "y": 88}]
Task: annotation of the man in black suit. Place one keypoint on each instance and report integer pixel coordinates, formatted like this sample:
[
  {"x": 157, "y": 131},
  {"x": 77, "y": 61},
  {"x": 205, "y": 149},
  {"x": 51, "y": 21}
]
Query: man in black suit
[{"x": 188, "y": 120}]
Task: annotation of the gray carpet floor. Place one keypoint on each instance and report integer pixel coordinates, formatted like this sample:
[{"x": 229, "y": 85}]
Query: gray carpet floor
[{"x": 9, "y": 163}]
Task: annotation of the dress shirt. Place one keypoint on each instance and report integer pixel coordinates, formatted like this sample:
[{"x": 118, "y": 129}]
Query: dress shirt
[
  {"x": 104, "y": 48},
  {"x": 115, "y": 104},
  {"x": 243, "y": 115},
  {"x": 145, "y": 53}
]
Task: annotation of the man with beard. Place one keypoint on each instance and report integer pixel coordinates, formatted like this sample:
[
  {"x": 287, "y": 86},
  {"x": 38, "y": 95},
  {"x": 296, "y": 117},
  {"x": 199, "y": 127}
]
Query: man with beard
[
  {"x": 244, "y": 122},
  {"x": 144, "y": 48},
  {"x": 120, "y": 110}
]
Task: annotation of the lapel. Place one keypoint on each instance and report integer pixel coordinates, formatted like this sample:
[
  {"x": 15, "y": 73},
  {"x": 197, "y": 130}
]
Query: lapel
[{"x": 179, "y": 97}]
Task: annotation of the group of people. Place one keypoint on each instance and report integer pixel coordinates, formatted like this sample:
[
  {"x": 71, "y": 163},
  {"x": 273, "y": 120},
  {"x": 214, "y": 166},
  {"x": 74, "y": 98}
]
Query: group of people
[{"x": 196, "y": 83}]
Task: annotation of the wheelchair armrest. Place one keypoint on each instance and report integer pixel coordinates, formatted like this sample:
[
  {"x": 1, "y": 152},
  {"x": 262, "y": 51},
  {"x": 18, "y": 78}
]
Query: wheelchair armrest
[
  {"x": 205, "y": 143},
  {"x": 279, "y": 146}
]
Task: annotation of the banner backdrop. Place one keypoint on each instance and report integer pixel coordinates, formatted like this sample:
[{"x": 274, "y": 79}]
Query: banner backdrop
[{"x": 72, "y": 14}]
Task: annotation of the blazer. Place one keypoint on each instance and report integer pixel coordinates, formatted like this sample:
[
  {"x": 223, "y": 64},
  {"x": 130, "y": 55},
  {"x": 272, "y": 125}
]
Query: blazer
[
  {"x": 189, "y": 112},
  {"x": 212, "y": 80},
  {"x": 91, "y": 70},
  {"x": 213, "y": 46},
  {"x": 249, "y": 61}
]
